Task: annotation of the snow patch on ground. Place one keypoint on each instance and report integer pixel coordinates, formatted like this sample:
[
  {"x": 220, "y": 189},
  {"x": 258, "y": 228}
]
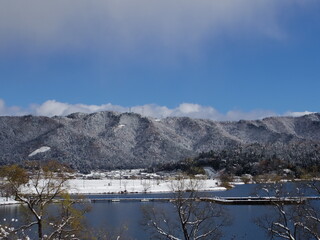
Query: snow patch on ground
[{"x": 39, "y": 150}]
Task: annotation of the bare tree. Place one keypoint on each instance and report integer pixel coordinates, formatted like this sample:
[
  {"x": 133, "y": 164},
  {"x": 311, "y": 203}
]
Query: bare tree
[
  {"x": 295, "y": 222},
  {"x": 146, "y": 185},
  {"x": 187, "y": 217},
  {"x": 125, "y": 184},
  {"x": 46, "y": 184}
]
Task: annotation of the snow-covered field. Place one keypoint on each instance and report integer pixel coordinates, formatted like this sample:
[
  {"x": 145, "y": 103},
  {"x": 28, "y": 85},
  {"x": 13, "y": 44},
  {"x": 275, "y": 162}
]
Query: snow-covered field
[
  {"x": 113, "y": 186},
  {"x": 106, "y": 186}
]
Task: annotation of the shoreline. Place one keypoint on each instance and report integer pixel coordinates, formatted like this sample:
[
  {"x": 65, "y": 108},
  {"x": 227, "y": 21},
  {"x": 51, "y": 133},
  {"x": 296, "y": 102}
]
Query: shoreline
[
  {"x": 4, "y": 201},
  {"x": 137, "y": 193},
  {"x": 113, "y": 187}
]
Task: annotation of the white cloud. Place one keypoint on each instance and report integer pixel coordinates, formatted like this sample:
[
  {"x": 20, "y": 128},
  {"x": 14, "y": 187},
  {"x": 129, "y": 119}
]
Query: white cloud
[
  {"x": 127, "y": 25},
  {"x": 184, "y": 109},
  {"x": 298, "y": 114},
  {"x": 54, "y": 108},
  {"x": 10, "y": 111}
]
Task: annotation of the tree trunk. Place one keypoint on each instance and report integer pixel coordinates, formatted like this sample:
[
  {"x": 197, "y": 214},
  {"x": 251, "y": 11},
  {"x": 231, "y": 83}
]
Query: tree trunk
[{"x": 40, "y": 229}]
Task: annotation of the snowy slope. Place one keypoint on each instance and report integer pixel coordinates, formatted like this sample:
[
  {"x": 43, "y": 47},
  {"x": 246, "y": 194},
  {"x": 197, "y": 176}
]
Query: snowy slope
[{"x": 128, "y": 140}]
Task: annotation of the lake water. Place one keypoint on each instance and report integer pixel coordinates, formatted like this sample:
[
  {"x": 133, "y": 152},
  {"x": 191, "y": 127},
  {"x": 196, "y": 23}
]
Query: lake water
[
  {"x": 113, "y": 216},
  {"x": 116, "y": 214}
]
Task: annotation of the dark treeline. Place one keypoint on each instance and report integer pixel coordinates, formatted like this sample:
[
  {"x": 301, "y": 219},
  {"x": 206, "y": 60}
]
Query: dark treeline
[{"x": 291, "y": 160}]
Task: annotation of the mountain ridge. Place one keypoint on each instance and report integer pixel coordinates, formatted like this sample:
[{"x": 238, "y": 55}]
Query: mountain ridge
[{"x": 111, "y": 140}]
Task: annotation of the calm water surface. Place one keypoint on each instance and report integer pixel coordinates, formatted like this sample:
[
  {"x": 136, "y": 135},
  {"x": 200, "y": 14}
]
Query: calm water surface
[
  {"x": 129, "y": 214},
  {"x": 116, "y": 215}
]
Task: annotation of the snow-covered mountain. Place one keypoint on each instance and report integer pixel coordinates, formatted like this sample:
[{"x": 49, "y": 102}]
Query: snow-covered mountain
[{"x": 128, "y": 140}]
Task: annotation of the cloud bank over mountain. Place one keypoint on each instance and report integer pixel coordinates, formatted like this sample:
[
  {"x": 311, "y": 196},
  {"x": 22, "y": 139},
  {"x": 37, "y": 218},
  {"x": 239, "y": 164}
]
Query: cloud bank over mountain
[
  {"x": 131, "y": 26},
  {"x": 55, "y": 108}
]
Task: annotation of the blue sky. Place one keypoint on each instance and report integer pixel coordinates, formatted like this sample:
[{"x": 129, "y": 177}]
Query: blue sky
[{"x": 224, "y": 60}]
